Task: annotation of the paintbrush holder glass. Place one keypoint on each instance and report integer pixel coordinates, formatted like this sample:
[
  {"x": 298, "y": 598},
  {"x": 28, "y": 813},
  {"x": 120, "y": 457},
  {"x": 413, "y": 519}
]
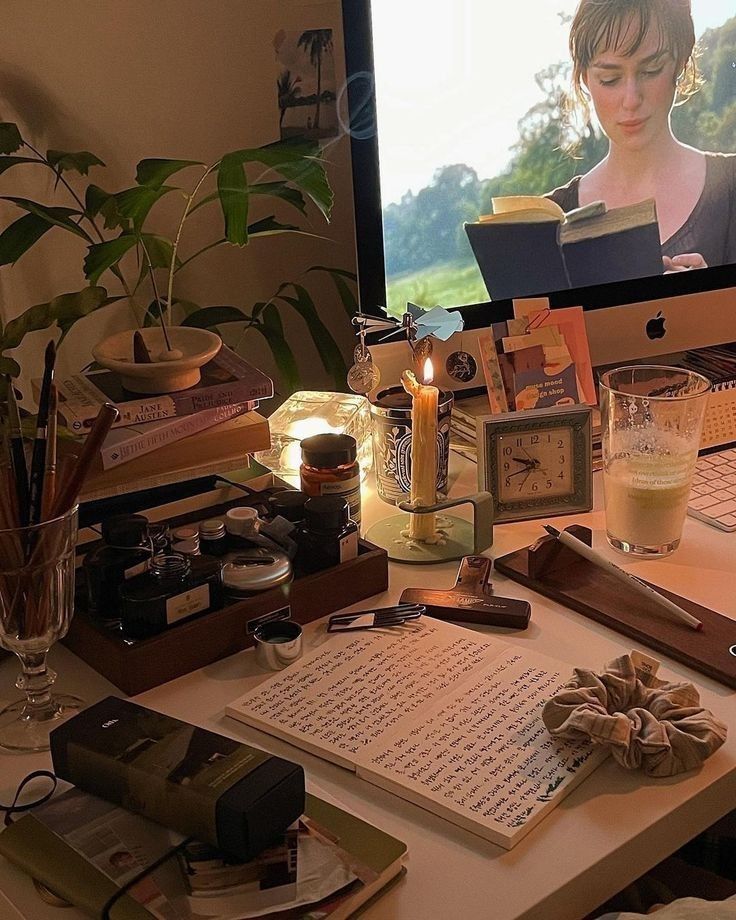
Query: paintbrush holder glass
[{"x": 36, "y": 605}]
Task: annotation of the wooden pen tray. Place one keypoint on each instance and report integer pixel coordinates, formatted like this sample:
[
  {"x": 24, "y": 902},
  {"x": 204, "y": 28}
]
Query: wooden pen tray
[
  {"x": 138, "y": 665},
  {"x": 558, "y": 573}
]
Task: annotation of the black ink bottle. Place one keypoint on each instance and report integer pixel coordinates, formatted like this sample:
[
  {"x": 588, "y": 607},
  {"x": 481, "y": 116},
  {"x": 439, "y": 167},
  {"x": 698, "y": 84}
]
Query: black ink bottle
[
  {"x": 175, "y": 588},
  {"x": 329, "y": 536},
  {"x": 125, "y": 553},
  {"x": 213, "y": 537}
]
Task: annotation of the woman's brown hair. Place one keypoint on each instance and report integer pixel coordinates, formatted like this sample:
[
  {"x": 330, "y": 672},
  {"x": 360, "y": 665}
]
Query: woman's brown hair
[{"x": 600, "y": 25}]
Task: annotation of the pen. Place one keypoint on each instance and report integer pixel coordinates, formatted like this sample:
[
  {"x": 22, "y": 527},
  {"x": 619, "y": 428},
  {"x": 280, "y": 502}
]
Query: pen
[
  {"x": 17, "y": 456},
  {"x": 38, "y": 458},
  {"x": 670, "y": 610}
]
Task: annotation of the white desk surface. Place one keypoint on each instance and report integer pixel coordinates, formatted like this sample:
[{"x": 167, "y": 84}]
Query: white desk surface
[{"x": 606, "y": 833}]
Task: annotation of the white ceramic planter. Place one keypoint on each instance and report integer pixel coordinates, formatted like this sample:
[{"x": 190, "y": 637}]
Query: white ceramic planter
[{"x": 172, "y": 373}]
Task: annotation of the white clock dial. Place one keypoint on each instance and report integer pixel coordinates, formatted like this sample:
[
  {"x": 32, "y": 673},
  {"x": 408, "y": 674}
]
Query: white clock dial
[{"x": 534, "y": 465}]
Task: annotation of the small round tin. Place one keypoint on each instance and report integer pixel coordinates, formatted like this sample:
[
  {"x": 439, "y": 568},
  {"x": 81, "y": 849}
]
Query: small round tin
[
  {"x": 278, "y": 644},
  {"x": 250, "y": 571}
]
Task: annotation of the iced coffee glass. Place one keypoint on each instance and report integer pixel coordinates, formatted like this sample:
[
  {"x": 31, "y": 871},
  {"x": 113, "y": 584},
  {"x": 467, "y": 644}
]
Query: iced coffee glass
[{"x": 651, "y": 419}]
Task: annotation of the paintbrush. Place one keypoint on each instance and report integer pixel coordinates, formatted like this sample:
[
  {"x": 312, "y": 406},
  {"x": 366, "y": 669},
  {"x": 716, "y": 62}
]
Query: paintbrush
[
  {"x": 17, "y": 456},
  {"x": 38, "y": 458},
  {"x": 69, "y": 490},
  {"x": 49, "y": 481}
]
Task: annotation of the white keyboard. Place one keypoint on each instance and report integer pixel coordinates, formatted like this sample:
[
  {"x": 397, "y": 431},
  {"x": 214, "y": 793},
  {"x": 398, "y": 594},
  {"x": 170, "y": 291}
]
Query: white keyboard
[{"x": 713, "y": 497}]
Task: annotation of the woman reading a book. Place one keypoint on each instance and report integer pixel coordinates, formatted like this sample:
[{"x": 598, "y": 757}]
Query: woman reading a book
[{"x": 632, "y": 59}]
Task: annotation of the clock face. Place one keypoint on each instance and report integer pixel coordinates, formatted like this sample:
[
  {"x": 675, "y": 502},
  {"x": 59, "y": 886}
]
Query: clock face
[{"x": 534, "y": 464}]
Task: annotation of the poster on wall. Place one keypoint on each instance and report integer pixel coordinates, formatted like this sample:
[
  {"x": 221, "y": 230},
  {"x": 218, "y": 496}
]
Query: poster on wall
[{"x": 305, "y": 83}]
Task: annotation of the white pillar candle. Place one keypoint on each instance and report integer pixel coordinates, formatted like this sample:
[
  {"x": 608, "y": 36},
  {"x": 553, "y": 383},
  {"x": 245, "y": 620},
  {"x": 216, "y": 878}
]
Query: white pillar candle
[{"x": 425, "y": 399}]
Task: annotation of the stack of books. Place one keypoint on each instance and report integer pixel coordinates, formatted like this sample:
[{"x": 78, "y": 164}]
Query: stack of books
[{"x": 160, "y": 439}]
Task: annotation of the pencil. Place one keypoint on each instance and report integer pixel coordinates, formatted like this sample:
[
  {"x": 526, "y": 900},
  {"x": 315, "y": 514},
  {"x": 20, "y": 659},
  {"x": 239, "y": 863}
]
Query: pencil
[
  {"x": 49, "y": 480},
  {"x": 668, "y": 609},
  {"x": 38, "y": 458},
  {"x": 17, "y": 456},
  {"x": 69, "y": 490}
]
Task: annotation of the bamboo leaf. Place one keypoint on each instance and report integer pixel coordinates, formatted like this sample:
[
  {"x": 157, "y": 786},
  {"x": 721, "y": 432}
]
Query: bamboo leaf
[
  {"x": 135, "y": 203},
  {"x": 154, "y": 172},
  {"x": 207, "y": 317},
  {"x": 232, "y": 188},
  {"x": 345, "y": 292},
  {"x": 101, "y": 256},
  {"x": 329, "y": 351},
  {"x": 20, "y": 236},
  {"x": 80, "y": 162},
  {"x": 58, "y": 217},
  {"x": 63, "y": 310},
  {"x": 272, "y": 330},
  {"x": 300, "y": 163},
  {"x": 10, "y": 139},
  {"x": 8, "y": 366},
  {"x": 7, "y": 162}
]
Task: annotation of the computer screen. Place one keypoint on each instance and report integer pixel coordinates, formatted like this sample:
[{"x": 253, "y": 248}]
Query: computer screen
[{"x": 476, "y": 101}]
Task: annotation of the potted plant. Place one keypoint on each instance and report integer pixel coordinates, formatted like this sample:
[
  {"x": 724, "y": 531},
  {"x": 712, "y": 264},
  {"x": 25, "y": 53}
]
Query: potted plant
[{"x": 126, "y": 259}]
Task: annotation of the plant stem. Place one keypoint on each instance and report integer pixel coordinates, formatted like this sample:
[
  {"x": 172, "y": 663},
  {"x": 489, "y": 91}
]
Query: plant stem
[
  {"x": 155, "y": 294},
  {"x": 115, "y": 269},
  {"x": 190, "y": 201}
]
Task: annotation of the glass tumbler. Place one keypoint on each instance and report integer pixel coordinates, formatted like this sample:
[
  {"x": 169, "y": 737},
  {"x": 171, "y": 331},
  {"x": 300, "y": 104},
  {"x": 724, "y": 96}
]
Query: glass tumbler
[
  {"x": 651, "y": 419},
  {"x": 36, "y": 605}
]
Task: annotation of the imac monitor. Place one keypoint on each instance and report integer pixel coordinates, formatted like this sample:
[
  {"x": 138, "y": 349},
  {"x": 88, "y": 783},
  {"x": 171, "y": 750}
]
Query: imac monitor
[{"x": 458, "y": 104}]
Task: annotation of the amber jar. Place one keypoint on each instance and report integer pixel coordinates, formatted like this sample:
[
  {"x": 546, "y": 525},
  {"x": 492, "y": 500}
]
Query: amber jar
[{"x": 330, "y": 467}]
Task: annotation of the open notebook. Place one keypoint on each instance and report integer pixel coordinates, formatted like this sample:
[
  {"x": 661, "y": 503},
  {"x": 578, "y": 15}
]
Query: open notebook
[{"x": 437, "y": 714}]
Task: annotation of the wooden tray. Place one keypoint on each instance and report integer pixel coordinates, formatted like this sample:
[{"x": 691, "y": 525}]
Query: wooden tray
[
  {"x": 138, "y": 665},
  {"x": 557, "y": 572}
]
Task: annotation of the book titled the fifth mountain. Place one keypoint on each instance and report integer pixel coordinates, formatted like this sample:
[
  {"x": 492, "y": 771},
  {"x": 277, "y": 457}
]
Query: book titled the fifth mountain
[{"x": 226, "y": 380}]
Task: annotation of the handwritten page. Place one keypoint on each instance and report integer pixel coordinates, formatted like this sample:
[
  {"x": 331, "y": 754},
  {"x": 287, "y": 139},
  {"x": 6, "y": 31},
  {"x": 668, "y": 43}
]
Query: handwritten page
[
  {"x": 354, "y": 689},
  {"x": 482, "y": 756}
]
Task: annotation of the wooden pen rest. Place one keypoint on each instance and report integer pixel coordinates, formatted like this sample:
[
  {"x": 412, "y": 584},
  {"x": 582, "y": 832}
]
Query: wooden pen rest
[
  {"x": 554, "y": 570},
  {"x": 138, "y": 665}
]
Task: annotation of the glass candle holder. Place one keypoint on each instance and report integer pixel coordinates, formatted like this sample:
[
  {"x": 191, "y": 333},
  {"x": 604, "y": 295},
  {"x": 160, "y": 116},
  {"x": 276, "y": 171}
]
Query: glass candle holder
[{"x": 36, "y": 606}]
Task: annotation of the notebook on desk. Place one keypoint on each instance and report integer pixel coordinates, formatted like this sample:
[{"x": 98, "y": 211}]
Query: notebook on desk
[{"x": 438, "y": 715}]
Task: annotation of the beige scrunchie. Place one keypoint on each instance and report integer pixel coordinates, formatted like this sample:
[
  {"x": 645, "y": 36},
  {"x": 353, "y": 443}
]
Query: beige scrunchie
[{"x": 647, "y": 723}]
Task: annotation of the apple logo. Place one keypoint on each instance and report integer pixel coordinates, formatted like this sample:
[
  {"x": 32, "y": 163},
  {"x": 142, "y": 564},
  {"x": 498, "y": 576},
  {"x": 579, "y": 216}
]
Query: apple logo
[{"x": 655, "y": 327}]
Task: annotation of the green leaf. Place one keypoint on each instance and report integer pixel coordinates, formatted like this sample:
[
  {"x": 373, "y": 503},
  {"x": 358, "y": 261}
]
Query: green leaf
[
  {"x": 101, "y": 256},
  {"x": 154, "y": 172},
  {"x": 268, "y": 226},
  {"x": 279, "y": 189},
  {"x": 232, "y": 188},
  {"x": 300, "y": 163},
  {"x": 345, "y": 292},
  {"x": 8, "y": 366},
  {"x": 153, "y": 312},
  {"x": 20, "y": 236},
  {"x": 159, "y": 249},
  {"x": 329, "y": 351},
  {"x": 80, "y": 162},
  {"x": 7, "y": 162},
  {"x": 135, "y": 203},
  {"x": 10, "y": 139},
  {"x": 272, "y": 330},
  {"x": 207, "y": 317},
  {"x": 58, "y": 217},
  {"x": 63, "y": 310},
  {"x": 98, "y": 201}
]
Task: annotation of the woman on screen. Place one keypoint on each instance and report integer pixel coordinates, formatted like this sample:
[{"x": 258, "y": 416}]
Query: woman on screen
[{"x": 632, "y": 59}]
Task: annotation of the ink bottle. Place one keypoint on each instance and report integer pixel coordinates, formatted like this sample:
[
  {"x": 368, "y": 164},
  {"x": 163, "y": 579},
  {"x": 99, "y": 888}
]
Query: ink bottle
[
  {"x": 160, "y": 537},
  {"x": 242, "y": 526},
  {"x": 250, "y": 571},
  {"x": 175, "y": 588},
  {"x": 213, "y": 537},
  {"x": 330, "y": 467},
  {"x": 288, "y": 504},
  {"x": 125, "y": 553},
  {"x": 329, "y": 536}
]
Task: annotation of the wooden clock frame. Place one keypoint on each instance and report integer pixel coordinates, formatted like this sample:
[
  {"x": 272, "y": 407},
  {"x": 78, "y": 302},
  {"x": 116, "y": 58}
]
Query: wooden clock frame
[{"x": 579, "y": 420}]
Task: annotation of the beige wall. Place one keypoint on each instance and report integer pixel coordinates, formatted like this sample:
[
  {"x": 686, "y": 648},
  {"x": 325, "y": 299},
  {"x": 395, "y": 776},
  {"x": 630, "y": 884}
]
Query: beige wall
[{"x": 192, "y": 79}]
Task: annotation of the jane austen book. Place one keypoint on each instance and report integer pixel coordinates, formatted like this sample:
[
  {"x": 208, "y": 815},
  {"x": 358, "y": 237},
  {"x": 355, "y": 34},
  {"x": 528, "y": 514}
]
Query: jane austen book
[{"x": 436, "y": 714}]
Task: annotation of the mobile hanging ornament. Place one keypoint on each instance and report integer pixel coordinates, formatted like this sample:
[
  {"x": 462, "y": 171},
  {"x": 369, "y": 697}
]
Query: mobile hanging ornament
[{"x": 419, "y": 327}]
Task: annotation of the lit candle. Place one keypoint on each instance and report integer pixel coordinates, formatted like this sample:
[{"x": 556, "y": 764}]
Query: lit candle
[{"x": 423, "y": 451}]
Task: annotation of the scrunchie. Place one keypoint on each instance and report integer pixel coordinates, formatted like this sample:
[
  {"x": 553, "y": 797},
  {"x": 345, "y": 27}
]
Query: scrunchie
[{"x": 650, "y": 724}]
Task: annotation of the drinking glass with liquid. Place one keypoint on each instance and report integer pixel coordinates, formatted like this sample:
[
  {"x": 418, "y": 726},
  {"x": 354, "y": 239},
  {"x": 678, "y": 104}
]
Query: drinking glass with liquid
[{"x": 651, "y": 419}]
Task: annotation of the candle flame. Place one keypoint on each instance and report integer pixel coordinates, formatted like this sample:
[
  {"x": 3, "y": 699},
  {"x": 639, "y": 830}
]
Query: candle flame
[{"x": 428, "y": 371}]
